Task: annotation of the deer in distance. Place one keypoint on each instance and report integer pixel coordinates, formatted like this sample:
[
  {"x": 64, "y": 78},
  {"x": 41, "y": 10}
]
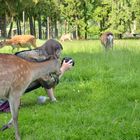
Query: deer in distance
[
  {"x": 20, "y": 41},
  {"x": 65, "y": 37},
  {"x": 15, "y": 76},
  {"x": 107, "y": 40}
]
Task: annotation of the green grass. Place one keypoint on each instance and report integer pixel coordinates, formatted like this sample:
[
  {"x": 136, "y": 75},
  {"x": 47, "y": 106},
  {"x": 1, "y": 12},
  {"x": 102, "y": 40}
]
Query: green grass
[{"x": 99, "y": 99}]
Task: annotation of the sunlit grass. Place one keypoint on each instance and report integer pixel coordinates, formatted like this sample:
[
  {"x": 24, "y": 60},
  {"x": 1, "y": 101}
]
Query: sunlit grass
[{"x": 99, "y": 99}]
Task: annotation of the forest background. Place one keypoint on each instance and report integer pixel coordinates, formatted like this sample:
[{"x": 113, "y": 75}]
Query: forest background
[{"x": 85, "y": 19}]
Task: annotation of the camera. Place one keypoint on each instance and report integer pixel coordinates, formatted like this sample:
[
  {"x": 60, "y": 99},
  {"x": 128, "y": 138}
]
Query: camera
[{"x": 68, "y": 59}]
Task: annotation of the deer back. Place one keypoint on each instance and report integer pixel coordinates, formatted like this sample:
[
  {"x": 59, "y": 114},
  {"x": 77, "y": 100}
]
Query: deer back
[{"x": 20, "y": 40}]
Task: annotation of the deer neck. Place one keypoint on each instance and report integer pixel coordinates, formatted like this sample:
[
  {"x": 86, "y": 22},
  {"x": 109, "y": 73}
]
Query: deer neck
[{"x": 44, "y": 68}]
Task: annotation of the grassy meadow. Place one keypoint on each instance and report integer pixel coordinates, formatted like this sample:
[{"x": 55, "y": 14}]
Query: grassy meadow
[{"x": 98, "y": 99}]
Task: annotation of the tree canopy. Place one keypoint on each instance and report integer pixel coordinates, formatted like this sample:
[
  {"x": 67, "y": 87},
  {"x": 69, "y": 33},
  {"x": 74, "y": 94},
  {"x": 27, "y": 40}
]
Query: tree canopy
[{"x": 85, "y": 19}]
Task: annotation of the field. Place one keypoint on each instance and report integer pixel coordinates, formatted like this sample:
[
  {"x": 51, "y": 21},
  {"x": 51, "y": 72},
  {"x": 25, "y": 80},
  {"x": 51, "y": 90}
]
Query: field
[{"x": 98, "y": 99}]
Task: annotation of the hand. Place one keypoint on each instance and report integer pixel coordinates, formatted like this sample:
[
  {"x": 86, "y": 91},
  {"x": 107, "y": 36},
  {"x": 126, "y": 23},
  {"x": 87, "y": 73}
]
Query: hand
[{"x": 66, "y": 66}]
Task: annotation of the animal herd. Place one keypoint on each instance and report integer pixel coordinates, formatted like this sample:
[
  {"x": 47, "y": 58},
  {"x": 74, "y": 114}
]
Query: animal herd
[
  {"x": 26, "y": 41},
  {"x": 16, "y": 73}
]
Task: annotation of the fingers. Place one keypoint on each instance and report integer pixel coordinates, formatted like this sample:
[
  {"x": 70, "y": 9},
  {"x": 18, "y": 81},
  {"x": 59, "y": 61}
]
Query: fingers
[
  {"x": 66, "y": 65},
  {"x": 68, "y": 62}
]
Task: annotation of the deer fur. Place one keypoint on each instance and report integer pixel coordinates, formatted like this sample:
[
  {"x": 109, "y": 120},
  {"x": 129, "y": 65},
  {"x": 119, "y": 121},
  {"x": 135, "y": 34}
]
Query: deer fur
[
  {"x": 20, "y": 41},
  {"x": 107, "y": 40},
  {"x": 65, "y": 37},
  {"x": 15, "y": 76}
]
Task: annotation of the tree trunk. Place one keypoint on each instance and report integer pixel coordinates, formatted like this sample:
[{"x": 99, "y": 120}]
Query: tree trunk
[
  {"x": 56, "y": 29},
  {"x": 48, "y": 28},
  {"x": 120, "y": 36},
  {"x": 86, "y": 31},
  {"x": 18, "y": 26},
  {"x": 34, "y": 27},
  {"x": 3, "y": 26},
  {"x": 85, "y": 20},
  {"x": 39, "y": 27},
  {"x": 23, "y": 22},
  {"x": 10, "y": 30},
  {"x": 31, "y": 25},
  {"x": 75, "y": 33},
  {"x": 65, "y": 26},
  {"x": 133, "y": 30},
  {"x": 20, "y": 31}
]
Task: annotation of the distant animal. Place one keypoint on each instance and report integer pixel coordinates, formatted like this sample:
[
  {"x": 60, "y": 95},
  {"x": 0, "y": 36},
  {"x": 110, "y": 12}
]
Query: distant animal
[
  {"x": 20, "y": 41},
  {"x": 107, "y": 40},
  {"x": 65, "y": 37},
  {"x": 16, "y": 74}
]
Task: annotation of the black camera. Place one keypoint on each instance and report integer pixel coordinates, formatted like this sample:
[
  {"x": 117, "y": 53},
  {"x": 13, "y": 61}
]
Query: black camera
[{"x": 68, "y": 59}]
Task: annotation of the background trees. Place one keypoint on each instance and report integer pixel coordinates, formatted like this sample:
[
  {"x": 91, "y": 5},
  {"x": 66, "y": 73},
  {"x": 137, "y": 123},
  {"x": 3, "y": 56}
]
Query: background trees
[{"x": 84, "y": 19}]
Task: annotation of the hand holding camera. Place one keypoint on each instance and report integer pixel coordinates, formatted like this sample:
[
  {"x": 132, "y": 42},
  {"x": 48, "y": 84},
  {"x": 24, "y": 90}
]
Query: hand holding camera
[{"x": 68, "y": 59}]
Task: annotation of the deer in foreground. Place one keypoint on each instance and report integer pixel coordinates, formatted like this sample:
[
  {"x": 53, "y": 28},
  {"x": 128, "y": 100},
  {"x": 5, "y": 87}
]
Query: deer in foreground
[
  {"x": 65, "y": 37},
  {"x": 107, "y": 40},
  {"x": 20, "y": 41},
  {"x": 15, "y": 76}
]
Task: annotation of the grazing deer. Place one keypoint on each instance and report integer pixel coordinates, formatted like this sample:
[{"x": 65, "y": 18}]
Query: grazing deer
[
  {"x": 65, "y": 37},
  {"x": 15, "y": 76},
  {"x": 20, "y": 41},
  {"x": 107, "y": 40}
]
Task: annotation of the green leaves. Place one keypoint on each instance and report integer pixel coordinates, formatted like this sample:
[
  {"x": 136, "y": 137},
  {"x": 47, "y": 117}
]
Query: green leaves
[{"x": 88, "y": 16}]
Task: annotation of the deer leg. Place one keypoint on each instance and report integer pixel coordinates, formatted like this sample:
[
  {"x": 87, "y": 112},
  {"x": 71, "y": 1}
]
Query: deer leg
[
  {"x": 112, "y": 45},
  {"x": 19, "y": 46},
  {"x": 17, "y": 49},
  {"x": 14, "y": 105},
  {"x": 105, "y": 46},
  {"x": 29, "y": 46},
  {"x": 13, "y": 47},
  {"x": 34, "y": 44}
]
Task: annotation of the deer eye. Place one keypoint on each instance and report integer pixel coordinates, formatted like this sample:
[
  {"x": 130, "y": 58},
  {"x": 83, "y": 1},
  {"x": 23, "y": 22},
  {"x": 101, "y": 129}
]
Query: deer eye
[{"x": 57, "y": 47}]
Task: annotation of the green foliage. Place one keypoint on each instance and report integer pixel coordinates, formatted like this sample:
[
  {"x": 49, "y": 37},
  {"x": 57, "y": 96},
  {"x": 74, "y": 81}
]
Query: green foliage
[
  {"x": 84, "y": 17},
  {"x": 98, "y": 99}
]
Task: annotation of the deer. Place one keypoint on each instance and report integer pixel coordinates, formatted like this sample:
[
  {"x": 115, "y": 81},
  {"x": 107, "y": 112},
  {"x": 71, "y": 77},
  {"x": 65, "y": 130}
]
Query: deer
[
  {"x": 51, "y": 48},
  {"x": 16, "y": 74},
  {"x": 20, "y": 41},
  {"x": 107, "y": 40},
  {"x": 65, "y": 37}
]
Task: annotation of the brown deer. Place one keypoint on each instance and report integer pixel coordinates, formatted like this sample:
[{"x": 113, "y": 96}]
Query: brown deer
[
  {"x": 65, "y": 37},
  {"x": 107, "y": 40},
  {"x": 15, "y": 76},
  {"x": 20, "y": 41}
]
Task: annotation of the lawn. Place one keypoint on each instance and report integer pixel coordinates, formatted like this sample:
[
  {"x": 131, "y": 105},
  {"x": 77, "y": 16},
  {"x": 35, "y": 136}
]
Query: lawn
[{"x": 98, "y": 99}]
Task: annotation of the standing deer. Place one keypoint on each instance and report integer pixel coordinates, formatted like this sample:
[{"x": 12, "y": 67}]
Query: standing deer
[
  {"x": 50, "y": 49},
  {"x": 15, "y": 76},
  {"x": 20, "y": 41},
  {"x": 107, "y": 40},
  {"x": 65, "y": 37}
]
